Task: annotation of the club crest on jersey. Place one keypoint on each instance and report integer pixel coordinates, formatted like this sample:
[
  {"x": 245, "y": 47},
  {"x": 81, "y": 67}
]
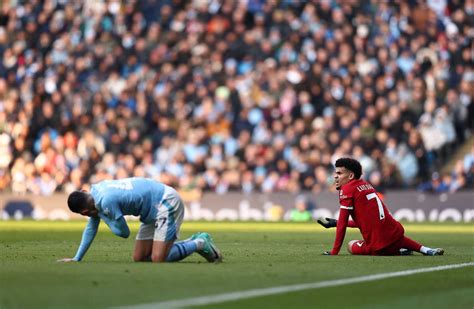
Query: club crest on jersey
[
  {"x": 106, "y": 211},
  {"x": 341, "y": 195}
]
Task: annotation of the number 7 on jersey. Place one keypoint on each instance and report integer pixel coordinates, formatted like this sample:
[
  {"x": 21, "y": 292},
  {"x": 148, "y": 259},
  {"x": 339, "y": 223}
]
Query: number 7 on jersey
[{"x": 379, "y": 203}]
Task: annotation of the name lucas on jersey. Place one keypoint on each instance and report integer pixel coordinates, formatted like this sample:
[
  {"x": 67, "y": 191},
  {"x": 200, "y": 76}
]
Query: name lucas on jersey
[
  {"x": 365, "y": 187},
  {"x": 359, "y": 188}
]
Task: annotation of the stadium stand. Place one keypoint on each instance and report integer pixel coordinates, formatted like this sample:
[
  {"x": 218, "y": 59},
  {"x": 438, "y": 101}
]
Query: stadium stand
[{"x": 232, "y": 95}]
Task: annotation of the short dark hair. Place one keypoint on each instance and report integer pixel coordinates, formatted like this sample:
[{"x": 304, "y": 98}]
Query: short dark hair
[
  {"x": 77, "y": 201},
  {"x": 351, "y": 164}
]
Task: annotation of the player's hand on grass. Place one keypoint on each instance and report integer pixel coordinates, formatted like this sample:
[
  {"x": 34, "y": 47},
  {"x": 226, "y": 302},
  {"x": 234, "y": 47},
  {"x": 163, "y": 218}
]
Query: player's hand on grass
[
  {"x": 66, "y": 260},
  {"x": 327, "y": 222}
]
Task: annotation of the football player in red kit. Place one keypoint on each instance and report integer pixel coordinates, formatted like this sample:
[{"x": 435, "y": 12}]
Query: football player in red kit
[{"x": 382, "y": 234}]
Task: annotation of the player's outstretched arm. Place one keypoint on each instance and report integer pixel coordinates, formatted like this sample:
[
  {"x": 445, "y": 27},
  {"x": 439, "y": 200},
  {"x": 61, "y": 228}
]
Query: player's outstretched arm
[
  {"x": 330, "y": 222},
  {"x": 327, "y": 222},
  {"x": 340, "y": 231},
  {"x": 66, "y": 260},
  {"x": 87, "y": 237}
]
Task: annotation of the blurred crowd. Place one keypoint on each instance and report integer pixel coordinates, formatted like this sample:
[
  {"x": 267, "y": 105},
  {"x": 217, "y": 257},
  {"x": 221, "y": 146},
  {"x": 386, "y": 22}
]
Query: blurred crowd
[{"x": 220, "y": 95}]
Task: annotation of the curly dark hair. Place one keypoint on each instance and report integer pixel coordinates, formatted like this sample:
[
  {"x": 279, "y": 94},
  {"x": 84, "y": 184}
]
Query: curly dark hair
[{"x": 351, "y": 164}]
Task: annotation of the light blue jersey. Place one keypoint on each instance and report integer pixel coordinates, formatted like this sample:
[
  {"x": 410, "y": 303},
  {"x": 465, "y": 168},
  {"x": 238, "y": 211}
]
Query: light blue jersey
[
  {"x": 117, "y": 198},
  {"x": 129, "y": 196}
]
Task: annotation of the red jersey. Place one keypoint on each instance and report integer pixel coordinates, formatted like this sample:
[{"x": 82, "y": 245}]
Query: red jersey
[{"x": 378, "y": 228}]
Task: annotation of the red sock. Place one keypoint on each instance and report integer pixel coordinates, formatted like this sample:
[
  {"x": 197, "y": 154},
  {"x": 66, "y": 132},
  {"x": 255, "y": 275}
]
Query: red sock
[{"x": 410, "y": 244}]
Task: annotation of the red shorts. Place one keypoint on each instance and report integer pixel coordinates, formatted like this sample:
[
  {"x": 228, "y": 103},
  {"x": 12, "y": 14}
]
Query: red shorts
[{"x": 360, "y": 248}]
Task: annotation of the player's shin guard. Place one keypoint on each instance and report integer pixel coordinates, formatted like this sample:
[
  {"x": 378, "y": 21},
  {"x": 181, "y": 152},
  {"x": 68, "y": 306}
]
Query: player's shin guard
[
  {"x": 410, "y": 244},
  {"x": 180, "y": 250}
]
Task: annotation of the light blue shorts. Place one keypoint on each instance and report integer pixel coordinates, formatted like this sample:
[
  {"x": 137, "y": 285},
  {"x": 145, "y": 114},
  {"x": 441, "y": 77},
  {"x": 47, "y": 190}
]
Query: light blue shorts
[{"x": 168, "y": 219}]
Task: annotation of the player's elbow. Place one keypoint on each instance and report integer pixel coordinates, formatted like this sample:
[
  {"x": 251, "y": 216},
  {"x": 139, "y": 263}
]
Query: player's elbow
[{"x": 123, "y": 234}]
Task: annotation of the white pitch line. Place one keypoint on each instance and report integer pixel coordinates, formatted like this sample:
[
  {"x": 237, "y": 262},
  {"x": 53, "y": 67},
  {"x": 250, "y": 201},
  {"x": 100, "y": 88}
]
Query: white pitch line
[{"x": 220, "y": 298}]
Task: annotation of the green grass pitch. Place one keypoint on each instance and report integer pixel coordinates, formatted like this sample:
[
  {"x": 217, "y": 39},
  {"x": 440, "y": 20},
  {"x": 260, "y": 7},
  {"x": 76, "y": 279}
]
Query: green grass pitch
[{"x": 257, "y": 255}]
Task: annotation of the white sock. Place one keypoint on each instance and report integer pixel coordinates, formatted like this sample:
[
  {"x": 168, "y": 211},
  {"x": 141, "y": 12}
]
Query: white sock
[
  {"x": 424, "y": 249},
  {"x": 199, "y": 243}
]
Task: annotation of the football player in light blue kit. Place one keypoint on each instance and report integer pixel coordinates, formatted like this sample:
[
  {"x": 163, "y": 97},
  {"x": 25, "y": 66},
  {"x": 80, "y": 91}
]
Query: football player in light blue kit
[{"x": 161, "y": 213}]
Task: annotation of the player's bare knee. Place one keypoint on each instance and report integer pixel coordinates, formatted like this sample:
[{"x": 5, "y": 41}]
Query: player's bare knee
[
  {"x": 349, "y": 246},
  {"x": 158, "y": 258},
  {"x": 138, "y": 257}
]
